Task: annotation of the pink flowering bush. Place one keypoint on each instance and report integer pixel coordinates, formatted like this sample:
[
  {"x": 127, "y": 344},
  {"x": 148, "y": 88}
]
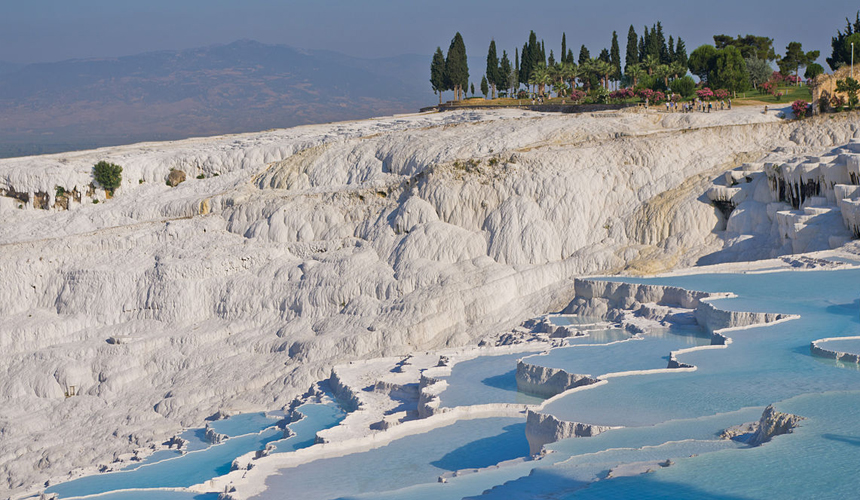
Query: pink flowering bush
[
  {"x": 721, "y": 94},
  {"x": 706, "y": 94},
  {"x": 577, "y": 95},
  {"x": 777, "y": 77},
  {"x": 622, "y": 94},
  {"x": 645, "y": 94},
  {"x": 800, "y": 108},
  {"x": 658, "y": 97},
  {"x": 778, "y": 95}
]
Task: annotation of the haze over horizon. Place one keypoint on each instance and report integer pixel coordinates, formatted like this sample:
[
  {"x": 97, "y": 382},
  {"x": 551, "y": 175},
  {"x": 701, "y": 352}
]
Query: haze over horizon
[{"x": 51, "y": 30}]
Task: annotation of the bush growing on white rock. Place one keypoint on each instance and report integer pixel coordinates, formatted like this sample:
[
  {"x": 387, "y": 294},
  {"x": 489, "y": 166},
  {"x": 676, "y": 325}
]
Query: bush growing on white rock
[{"x": 320, "y": 244}]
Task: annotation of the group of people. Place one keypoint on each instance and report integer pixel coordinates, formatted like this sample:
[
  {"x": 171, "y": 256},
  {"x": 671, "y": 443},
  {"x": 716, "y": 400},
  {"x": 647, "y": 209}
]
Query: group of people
[{"x": 700, "y": 106}]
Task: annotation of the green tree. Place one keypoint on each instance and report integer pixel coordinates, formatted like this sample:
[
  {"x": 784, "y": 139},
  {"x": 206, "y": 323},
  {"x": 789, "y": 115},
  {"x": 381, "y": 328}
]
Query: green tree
[
  {"x": 473, "y": 89},
  {"x": 492, "y": 71},
  {"x": 563, "y": 46},
  {"x": 523, "y": 74},
  {"x": 702, "y": 60},
  {"x": 108, "y": 175},
  {"x": 840, "y": 47},
  {"x": 615, "y": 58},
  {"x": 663, "y": 71},
  {"x": 516, "y": 80},
  {"x": 849, "y": 86},
  {"x": 795, "y": 58},
  {"x": 631, "y": 56},
  {"x": 759, "y": 71},
  {"x": 759, "y": 47},
  {"x": 504, "y": 72},
  {"x": 812, "y": 71},
  {"x": 485, "y": 89},
  {"x": 437, "y": 73},
  {"x": 633, "y": 73},
  {"x": 730, "y": 70},
  {"x": 584, "y": 55},
  {"x": 660, "y": 43},
  {"x": 457, "y": 67},
  {"x": 551, "y": 61},
  {"x": 651, "y": 62},
  {"x": 685, "y": 86},
  {"x": 681, "y": 52}
]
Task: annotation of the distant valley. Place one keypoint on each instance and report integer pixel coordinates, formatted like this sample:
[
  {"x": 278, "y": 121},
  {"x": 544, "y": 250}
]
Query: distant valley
[{"x": 241, "y": 87}]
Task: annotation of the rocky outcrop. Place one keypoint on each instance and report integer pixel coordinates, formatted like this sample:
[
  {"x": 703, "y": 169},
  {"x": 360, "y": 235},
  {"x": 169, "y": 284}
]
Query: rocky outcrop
[
  {"x": 819, "y": 348},
  {"x": 712, "y": 318},
  {"x": 547, "y": 382},
  {"x": 542, "y": 429},
  {"x": 597, "y": 298},
  {"x": 175, "y": 178},
  {"x": 773, "y": 423}
]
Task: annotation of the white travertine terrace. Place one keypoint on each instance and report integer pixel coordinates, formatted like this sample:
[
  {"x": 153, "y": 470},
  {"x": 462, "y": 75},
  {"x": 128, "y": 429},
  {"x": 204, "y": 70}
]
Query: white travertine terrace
[{"x": 319, "y": 245}]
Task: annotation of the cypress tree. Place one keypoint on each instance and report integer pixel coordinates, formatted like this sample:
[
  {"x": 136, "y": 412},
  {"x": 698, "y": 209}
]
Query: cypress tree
[
  {"x": 615, "y": 57},
  {"x": 642, "y": 46},
  {"x": 542, "y": 61},
  {"x": 516, "y": 83},
  {"x": 492, "y": 71},
  {"x": 570, "y": 59},
  {"x": 505, "y": 72},
  {"x": 551, "y": 61},
  {"x": 631, "y": 55},
  {"x": 660, "y": 43},
  {"x": 437, "y": 73},
  {"x": 485, "y": 89},
  {"x": 524, "y": 63},
  {"x": 584, "y": 55},
  {"x": 604, "y": 56},
  {"x": 457, "y": 67},
  {"x": 534, "y": 53},
  {"x": 681, "y": 52},
  {"x": 671, "y": 50},
  {"x": 563, "y": 46}
]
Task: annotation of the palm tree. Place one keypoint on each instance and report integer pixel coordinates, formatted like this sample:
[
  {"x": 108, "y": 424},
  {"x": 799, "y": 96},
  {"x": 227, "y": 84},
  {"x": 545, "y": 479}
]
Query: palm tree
[
  {"x": 651, "y": 62},
  {"x": 567, "y": 72},
  {"x": 663, "y": 71},
  {"x": 635, "y": 72},
  {"x": 678, "y": 69},
  {"x": 602, "y": 69},
  {"x": 540, "y": 76},
  {"x": 586, "y": 69},
  {"x": 554, "y": 74}
]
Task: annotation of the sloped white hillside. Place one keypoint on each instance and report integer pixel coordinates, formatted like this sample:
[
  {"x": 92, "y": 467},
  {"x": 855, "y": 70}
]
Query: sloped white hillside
[{"x": 320, "y": 244}]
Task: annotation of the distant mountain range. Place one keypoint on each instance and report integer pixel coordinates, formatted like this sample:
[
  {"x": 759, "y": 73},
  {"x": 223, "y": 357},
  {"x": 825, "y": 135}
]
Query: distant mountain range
[{"x": 241, "y": 87}]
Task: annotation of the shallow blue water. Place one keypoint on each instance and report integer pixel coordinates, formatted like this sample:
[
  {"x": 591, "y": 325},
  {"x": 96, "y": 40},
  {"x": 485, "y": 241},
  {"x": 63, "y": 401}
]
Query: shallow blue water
[
  {"x": 851, "y": 346},
  {"x": 411, "y": 460},
  {"x": 486, "y": 379},
  {"x": 245, "y": 423},
  {"x": 677, "y": 416},
  {"x": 646, "y": 352},
  {"x": 167, "y": 470}
]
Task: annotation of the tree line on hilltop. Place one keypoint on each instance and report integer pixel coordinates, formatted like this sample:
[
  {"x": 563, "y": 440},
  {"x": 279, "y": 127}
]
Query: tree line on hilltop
[{"x": 652, "y": 61}]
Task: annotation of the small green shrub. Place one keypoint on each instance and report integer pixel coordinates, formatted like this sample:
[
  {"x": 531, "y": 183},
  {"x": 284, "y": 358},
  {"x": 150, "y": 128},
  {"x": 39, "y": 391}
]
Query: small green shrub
[
  {"x": 215, "y": 174},
  {"x": 95, "y": 201},
  {"x": 201, "y": 176},
  {"x": 109, "y": 175},
  {"x": 140, "y": 181},
  {"x": 684, "y": 86},
  {"x": 61, "y": 191}
]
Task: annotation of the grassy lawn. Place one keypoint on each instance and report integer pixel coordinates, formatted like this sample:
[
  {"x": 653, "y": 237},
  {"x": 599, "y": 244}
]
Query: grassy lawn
[
  {"x": 791, "y": 94},
  {"x": 751, "y": 97}
]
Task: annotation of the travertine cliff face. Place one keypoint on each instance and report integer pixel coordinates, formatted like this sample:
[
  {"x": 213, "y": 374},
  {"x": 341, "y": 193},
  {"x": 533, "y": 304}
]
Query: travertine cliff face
[{"x": 309, "y": 246}]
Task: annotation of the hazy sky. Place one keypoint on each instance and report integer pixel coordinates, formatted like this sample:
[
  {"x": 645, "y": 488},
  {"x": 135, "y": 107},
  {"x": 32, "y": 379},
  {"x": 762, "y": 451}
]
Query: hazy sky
[{"x": 52, "y": 30}]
